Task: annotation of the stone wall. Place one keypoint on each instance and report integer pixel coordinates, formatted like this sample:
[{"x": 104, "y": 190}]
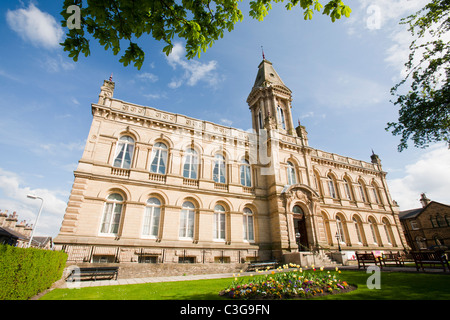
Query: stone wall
[{"x": 145, "y": 270}]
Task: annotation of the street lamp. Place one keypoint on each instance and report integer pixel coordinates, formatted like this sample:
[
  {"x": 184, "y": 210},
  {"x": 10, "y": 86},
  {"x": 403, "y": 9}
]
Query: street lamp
[
  {"x": 338, "y": 238},
  {"x": 40, "y": 209}
]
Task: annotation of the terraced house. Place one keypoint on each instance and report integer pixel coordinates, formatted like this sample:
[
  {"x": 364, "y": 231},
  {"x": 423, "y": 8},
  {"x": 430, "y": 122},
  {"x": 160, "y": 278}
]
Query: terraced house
[{"x": 158, "y": 187}]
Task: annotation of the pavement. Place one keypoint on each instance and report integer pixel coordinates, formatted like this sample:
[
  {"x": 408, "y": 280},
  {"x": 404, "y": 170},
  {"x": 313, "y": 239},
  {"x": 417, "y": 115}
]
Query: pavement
[{"x": 98, "y": 283}]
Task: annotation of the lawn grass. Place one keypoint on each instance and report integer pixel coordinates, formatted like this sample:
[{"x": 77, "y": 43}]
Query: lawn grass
[{"x": 394, "y": 286}]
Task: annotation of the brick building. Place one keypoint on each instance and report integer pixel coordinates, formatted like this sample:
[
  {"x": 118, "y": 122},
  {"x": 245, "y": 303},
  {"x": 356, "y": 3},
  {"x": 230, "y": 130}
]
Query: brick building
[{"x": 427, "y": 226}]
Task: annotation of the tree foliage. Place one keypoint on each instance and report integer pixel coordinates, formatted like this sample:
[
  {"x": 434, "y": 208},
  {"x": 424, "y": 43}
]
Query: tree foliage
[
  {"x": 424, "y": 114},
  {"x": 199, "y": 22}
]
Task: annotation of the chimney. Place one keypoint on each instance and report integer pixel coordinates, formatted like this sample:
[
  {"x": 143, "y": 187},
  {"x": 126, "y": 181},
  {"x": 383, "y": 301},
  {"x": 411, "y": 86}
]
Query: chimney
[
  {"x": 424, "y": 200},
  {"x": 20, "y": 227},
  {"x": 3, "y": 216},
  {"x": 27, "y": 230},
  {"x": 10, "y": 221}
]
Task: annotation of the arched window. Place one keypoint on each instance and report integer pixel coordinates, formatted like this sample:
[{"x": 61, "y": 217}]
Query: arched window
[
  {"x": 362, "y": 191},
  {"x": 151, "y": 218},
  {"x": 316, "y": 180},
  {"x": 219, "y": 222},
  {"x": 297, "y": 210},
  {"x": 219, "y": 172},
  {"x": 340, "y": 230},
  {"x": 159, "y": 158},
  {"x": 291, "y": 173},
  {"x": 190, "y": 168},
  {"x": 245, "y": 173},
  {"x": 373, "y": 227},
  {"x": 187, "y": 220},
  {"x": 111, "y": 214},
  {"x": 281, "y": 117},
  {"x": 357, "y": 230},
  {"x": 249, "y": 234},
  {"x": 376, "y": 197},
  {"x": 388, "y": 231},
  {"x": 331, "y": 186},
  {"x": 348, "y": 193},
  {"x": 260, "y": 120},
  {"x": 124, "y": 153}
]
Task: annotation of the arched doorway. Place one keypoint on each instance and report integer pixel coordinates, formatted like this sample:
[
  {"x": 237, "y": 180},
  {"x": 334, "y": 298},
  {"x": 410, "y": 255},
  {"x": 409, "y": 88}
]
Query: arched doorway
[{"x": 301, "y": 236}]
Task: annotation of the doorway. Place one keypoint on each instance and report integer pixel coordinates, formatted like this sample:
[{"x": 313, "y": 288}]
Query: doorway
[{"x": 301, "y": 237}]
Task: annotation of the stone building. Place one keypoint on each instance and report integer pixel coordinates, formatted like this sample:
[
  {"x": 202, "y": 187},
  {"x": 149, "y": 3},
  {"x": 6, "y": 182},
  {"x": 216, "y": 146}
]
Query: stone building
[
  {"x": 154, "y": 186},
  {"x": 427, "y": 227},
  {"x": 15, "y": 233}
]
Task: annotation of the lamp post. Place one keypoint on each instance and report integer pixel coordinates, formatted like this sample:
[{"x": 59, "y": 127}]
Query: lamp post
[
  {"x": 40, "y": 209},
  {"x": 338, "y": 238}
]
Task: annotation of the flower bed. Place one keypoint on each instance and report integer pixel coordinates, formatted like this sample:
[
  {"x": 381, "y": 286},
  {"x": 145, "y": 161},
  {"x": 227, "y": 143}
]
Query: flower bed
[{"x": 289, "y": 281}]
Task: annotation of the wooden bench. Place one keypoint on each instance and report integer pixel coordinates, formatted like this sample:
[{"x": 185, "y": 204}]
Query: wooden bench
[
  {"x": 364, "y": 258},
  {"x": 93, "y": 273},
  {"x": 261, "y": 265},
  {"x": 430, "y": 259},
  {"x": 391, "y": 257}
]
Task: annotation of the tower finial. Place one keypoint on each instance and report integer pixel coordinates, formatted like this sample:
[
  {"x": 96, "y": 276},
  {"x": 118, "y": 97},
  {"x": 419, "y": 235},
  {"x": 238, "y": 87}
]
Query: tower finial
[
  {"x": 111, "y": 77},
  {"x": 262, "y": 49}
]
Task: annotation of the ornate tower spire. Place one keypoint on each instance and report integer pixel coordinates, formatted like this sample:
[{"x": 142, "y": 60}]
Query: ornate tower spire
[{"x": 270, "y": 101}]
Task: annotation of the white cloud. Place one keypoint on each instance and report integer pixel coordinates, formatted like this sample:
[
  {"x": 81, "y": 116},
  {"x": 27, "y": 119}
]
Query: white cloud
[
  {"x": 13, "y": 197},
  {"x": 56, "y": 64},
  {"x": 194, "y": 71},
  {"x": 429, "y": 174},
  {"x": 226, "y": 122},
  {"x": 148, "y": 77},
  {"x": 40, "y": 28}
]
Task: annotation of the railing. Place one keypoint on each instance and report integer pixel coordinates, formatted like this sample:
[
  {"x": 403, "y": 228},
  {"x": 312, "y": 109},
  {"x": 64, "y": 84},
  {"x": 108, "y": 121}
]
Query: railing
[
  {"x": 120, "y": 172},
  {"x": 220, "y": 186},
  {"x": 190, "y": 182},
  {"x": 248, "y": 189},
  {"x": 157, "y": 177}
]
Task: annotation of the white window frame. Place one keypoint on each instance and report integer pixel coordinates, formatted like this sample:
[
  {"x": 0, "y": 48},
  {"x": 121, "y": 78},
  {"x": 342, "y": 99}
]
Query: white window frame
[
  {"x": 152, "y": 218},
  {"x": 246, "y": 173},
  {"x": 331, "y": 187},
  {"x": 219, "y": 169},
  {"x": 248, "y": 225},
  {"x": 191, "y": 161},
  {"x": 187, "y": 221},
  {"x": 219, "y": 224},
  {"x": 347, "y": 189},
  {"x": 340, "y": 230},
  {"x": 291, "y": 173},
  {"x": 124, "y": 148},
  {"x": 357, "y": 230},
  {"x": 112, "y": 213},
  {"x": 159, "y": 154}
]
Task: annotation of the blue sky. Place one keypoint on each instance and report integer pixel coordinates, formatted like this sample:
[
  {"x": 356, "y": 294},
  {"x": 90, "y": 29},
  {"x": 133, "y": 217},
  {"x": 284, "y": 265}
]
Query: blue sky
[{"x": 340, "y": 75}]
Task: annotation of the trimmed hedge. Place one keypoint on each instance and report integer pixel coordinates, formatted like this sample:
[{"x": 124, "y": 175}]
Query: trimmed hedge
[{"x": 26, "y": 272}]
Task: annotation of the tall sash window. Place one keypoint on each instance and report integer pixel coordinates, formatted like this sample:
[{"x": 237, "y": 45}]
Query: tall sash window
[
  {"x": 111, "y": 214},
  {"x": 187, "y": 219},
  {"x": 151, "y": 218},
  {"x": 124, "y": 153},
  {"x": 190, "y": 167},
  {"x": 249, "y": 234},
  {"x": 159, "y": 158}
]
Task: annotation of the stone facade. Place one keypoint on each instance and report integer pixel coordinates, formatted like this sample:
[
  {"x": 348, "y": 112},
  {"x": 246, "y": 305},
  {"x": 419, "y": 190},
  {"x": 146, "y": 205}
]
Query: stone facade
[
  {"x": 427, "y": 227},
  {"x": 154, "y": 186}
]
